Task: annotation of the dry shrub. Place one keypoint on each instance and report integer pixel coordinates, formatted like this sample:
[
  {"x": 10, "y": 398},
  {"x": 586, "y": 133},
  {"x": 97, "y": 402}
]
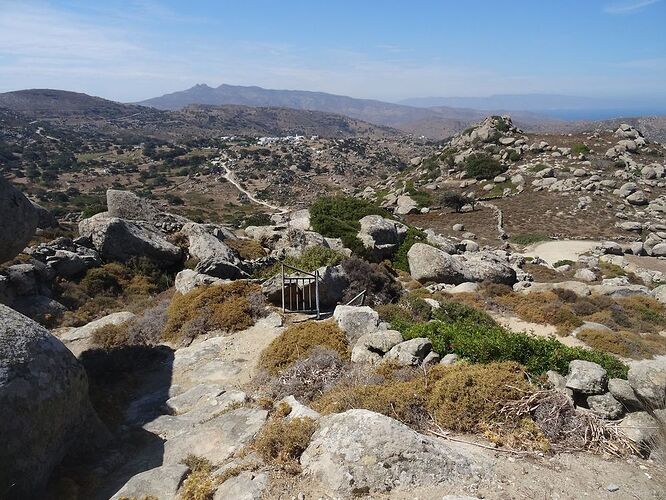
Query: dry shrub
[
  {"x": 460, "y": 398},
  {"x": 200, "y": 483},
  {"x": 623, "y": 343},
  {"x": 298, "y": 341},
  {"x": 465, "y": 396},
  {"x": 565, "y": 427},
  {"x": 647, "y": 313},
  {"x": 309, "y": 377},
  {"x": 542, "y": 307},
  {"x": 519, "y": 434},
  {"x": 490, "y": 289},
  {"x": 203, "y": 309},
  {"x": 378, "y": 281},
  {"x": 247, "y": 249},
  {"x": 110, "y": 336},
  {"x": 281, "y": 442}
]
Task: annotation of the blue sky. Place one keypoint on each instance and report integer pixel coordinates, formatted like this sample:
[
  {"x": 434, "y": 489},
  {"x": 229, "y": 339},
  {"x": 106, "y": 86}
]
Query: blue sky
[{"x": 131, "y": 50}]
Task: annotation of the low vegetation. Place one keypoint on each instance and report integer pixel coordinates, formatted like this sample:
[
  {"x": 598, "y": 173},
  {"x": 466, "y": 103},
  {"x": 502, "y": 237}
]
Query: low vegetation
[
  {"x": 229, "y": 307},
  {"x": 482, "y": 344},
  {"x": 459, "y": 398},
  {"x": 200, "y": 483},
  {"x": 247, "y": 249},
  {"x": 298, "y": 341},
  {"x": 338, "y": 217},
  {"x": 482, "y": 166},
  {"x": 282, "y": 441},
  {"x": 311, "y": 259},
  {"x": 623, "y": 343},
  {"x": 377, "y": 280},
  {"x": 110, "y": 288}
]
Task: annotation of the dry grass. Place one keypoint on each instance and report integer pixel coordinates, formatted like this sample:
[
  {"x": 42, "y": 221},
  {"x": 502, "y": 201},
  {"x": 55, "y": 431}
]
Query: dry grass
[
  {"x": 543, "y": 308},
  {"x": 111, "y": 336},
  {"x": 200, "y": 484},
  {"x": 566, "y": 427},
  {"x": 298, "y": 341},
  {"x": 225, "y": 307},
  {"x": 281, "y": 442},
  {"x": 623, "y": 343},
  {"x": 461, "y": 398},
  {"x": 247, "y": 249}
]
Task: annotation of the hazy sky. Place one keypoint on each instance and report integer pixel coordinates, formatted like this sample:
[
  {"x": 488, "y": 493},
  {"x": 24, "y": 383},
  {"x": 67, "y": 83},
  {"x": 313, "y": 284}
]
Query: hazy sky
[{"x": 131, "y": 50}]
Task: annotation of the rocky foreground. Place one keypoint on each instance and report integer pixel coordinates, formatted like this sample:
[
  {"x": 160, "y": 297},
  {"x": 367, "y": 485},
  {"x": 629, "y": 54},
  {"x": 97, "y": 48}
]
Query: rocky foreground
[{"x": 170, "y": 371}]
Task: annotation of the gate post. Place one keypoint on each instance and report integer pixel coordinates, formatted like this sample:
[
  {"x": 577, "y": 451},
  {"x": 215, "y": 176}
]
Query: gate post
[
  {"x": 283, "y": 305},
  {"x": 317, "y": 291}
]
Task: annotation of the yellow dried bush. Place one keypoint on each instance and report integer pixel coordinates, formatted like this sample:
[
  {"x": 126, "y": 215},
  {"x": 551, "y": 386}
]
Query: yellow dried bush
[
  {"x": 281, "y": 442},
  {"x": 247, "y": 249},
  {"x": 623, "y": 343},
  {"x": 208, "y": 308},
  {"x": 460, "y": 397},
  {"x": 298, "y": 340}
]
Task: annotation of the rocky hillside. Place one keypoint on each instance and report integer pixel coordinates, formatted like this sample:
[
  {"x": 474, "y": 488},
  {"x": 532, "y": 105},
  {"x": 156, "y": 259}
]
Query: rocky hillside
[{"x": 438, "y": 336}]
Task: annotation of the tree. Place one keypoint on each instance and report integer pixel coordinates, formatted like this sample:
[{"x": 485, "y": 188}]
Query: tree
[{"x": 454, "y": 200}]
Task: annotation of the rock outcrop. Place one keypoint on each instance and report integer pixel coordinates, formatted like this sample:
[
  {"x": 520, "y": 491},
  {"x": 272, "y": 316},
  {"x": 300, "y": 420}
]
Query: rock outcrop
[
  {"x": 44, "y": 406},
  {"x": 121, "y": 240},
  {"x": 18, "y": 218},
  {"x": 427, "y": 263},
  {"x": 362, "y": 452}
]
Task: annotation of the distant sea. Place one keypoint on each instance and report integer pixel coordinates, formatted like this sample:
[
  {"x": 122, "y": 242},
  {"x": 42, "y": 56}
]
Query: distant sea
[{"x": 601, "y": 114}]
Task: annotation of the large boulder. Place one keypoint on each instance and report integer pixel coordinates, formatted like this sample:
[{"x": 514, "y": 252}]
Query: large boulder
[
  {"x": 79, "y": 339},
  {"x": 586, "y": 377},
  {"x": 215, "y": 257},
  {"x": 381, "y": 235},
  {"x": 411, "y": 352},
  {"x": 371, "y": 347},
  {"x": 356, "y": 321},
  {"x": 187, "y": 280},
  {"x": 286, "y": 241},
  {"x": 427, "y": 263},
  {"x": 44, "y": 406},
  {"x": 127, "y": 205},
  {"x": 161, "y": 483},
  {"x": 360, "y": 452},
  {"x": 648, "y": 379},
  {"x": 19, "y": 221},
  {"x": 121, "y": 240}
]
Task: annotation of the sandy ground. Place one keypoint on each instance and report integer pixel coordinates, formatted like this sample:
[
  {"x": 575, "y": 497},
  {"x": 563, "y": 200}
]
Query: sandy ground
[{"x": 552, "y": 251}]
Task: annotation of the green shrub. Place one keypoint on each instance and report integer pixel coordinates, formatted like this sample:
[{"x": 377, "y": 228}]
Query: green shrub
[
  {"x": 453, "y": 200},
  {"x": 528, "y": 238},
  {"x": 482, "y": 166},
  {"x": 338, "y": 217},
  {"x": 298, "y": 340},
  {"x": 400, "y": 257},
  {"x": 564, "y": 262},
  {"x": 483, "y": 344},
  {"x": 577, "y": 149}
]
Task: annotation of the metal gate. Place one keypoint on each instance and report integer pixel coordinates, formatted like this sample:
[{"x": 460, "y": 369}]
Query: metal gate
[{"x": 300, "y": 291}]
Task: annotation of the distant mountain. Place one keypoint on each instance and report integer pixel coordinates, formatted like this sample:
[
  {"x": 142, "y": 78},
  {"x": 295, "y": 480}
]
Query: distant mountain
[
  {"x": 82, "y": 112},
  {"x": 41, "y": 103},
  {"x": 557, "y": 106},
  {"x": 378, "y": 112}
]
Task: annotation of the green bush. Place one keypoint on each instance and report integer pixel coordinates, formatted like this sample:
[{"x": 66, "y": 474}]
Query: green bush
[
  {"x": 338, "y": 217},
  {"x": 577, "y": 149},
  {"x": 528, "y": 238},
  {"x": 483, "y": 344},
  {"x": 481, "y": 166},
  {"x": 400, "y": 258},
  {"x": 312, "y": 258}
]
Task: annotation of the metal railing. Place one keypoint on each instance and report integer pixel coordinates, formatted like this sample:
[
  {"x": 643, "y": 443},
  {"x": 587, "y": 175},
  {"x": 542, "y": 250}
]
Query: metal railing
[
  {"x": 359, "y": 296},
  {"x": 300, "y": 293}
]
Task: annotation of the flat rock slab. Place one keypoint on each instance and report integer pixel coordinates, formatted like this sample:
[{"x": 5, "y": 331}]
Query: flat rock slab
[
  {"x": 161, "y": 483},
  {"x": 244, "y": 486},
  {"x": 217, "y": 439},
  {"x": 362, "y": 452}
]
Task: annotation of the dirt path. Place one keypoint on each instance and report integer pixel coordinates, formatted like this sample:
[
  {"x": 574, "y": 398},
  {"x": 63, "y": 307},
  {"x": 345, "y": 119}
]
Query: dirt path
[
  {"x": 518, "y": 325},
  {"x": 229, "y": 176},
  {"x": 552, "y": 251}
]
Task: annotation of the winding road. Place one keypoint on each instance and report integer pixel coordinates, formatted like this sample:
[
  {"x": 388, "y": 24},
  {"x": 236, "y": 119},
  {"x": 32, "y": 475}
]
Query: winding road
[{"x": 229, "y": 176}]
